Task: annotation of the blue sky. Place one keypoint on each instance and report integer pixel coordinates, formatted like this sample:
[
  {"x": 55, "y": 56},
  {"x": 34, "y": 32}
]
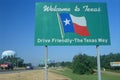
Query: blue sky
[{"x": 17, "y": 24}]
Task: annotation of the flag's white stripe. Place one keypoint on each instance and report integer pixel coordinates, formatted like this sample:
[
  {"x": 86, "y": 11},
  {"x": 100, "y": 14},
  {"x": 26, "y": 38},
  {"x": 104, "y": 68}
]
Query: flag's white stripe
[{"x": 79, "y": 20}]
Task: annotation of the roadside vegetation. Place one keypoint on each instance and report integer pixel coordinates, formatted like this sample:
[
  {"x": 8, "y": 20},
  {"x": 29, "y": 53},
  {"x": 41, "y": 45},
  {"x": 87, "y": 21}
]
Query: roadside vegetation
[
  {"x": 85, "y": 64},
  {"x": 15, "y": 61},
  {"x": 84, "y": 67},
  {"x": 106, "y": 75}
]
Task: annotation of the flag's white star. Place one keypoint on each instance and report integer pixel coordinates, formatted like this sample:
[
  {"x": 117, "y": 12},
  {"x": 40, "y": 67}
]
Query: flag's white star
[{"x": 67, "y": 22}]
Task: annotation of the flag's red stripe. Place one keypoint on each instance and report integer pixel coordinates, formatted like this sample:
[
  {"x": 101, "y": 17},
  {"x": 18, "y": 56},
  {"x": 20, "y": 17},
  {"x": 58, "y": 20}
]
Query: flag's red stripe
[{"x": 81, "y": 30}]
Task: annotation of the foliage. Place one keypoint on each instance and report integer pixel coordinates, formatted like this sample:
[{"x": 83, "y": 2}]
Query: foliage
[
  {"x": 83, "y": 64},
  {"x": 106, "y": 59},
  {"x": 16, "y": 61},
  {"x": 58, "y": 64},
  {"x": 65, "y": 64}
]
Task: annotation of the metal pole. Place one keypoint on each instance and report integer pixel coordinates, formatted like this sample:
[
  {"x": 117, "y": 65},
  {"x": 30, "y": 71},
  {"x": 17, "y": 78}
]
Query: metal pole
[
  {"x": 46, "y": 63},
  {"x": 98, "y": 62}
]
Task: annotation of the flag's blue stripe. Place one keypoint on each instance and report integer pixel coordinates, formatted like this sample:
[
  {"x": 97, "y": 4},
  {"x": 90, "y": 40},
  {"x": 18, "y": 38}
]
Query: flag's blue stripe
[{"x": 68, "y": 27}]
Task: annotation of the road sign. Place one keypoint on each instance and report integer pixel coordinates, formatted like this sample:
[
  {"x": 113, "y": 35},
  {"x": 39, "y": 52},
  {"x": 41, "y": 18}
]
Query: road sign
[
  {"x": 114, "y": 64},
  {"x": 70, "y": 23}
]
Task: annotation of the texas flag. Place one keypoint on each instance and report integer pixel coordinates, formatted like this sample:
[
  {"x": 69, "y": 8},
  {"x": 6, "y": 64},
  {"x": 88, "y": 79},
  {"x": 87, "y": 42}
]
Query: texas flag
[{"x": 74, "y": 24}]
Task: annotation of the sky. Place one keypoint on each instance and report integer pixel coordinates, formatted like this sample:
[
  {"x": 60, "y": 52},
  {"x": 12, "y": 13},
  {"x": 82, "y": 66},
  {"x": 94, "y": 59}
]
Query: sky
[{"x": 17, "y": 29}]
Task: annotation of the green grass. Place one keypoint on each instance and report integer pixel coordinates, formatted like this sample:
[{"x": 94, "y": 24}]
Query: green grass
[
  {"x": 105, "y": 75},
  {"x": 117, "y": 71}
]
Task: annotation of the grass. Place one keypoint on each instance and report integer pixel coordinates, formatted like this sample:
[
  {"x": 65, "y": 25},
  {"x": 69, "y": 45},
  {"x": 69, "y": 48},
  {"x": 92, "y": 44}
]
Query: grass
[
  {"x": 106, "y": 75},
  {"x": 117, "y": 71}
]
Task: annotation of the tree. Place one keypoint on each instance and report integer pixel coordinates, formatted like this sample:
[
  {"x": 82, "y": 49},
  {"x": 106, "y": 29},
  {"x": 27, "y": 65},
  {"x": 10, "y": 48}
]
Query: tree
[
  {"x": 16, "y": 61},
  {"x": 63, "y": 64},
  {"x": 106, "y": 59},
  {"x": 83, "y": 64},
  {"x": 20, "y": 62}
]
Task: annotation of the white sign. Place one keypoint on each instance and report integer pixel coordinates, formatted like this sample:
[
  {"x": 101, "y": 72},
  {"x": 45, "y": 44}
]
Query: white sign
[{"x": 114, "y": 64}]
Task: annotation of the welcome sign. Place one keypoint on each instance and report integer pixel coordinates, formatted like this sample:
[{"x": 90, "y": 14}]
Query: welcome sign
[{"x": 68, "y": 23}]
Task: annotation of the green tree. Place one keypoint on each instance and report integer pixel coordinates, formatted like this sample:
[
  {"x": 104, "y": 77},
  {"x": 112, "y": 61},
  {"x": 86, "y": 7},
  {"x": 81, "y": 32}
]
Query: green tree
[
  {"x": 16, "y": 61},
  {"x": 83, "y": 64},
  {"x": 106, "y": 59}
]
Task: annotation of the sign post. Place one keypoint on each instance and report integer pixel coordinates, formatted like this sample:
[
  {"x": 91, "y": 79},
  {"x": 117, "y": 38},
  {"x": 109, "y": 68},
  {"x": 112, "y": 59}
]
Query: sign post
[
  {"x": 98, "y": 62},
  {"x": 46, "y": 63}
]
